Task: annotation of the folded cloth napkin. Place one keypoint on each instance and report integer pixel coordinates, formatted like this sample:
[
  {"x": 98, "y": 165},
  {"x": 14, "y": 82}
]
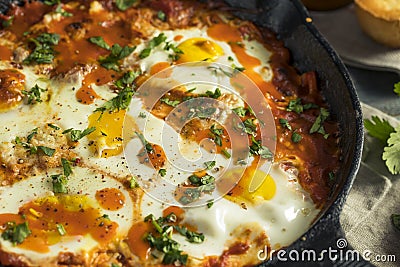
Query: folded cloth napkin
[
  {"x": 340, "y": 27},
  {"x": 375, "y": 195}
]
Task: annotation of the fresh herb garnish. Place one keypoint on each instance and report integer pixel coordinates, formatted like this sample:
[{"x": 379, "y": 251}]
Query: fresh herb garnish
[
  {"x": 209, "y": 164},
  {"x": 66, "y": 167},
  {"x": 216, "y": 134},
  {"x": 378, "y": 128},
  {"x": 62, "y": 12},
  {"x": 117, "y": 53},
  {"x": 148, "y": 147},
  {"x": 8, "y": 22},
  {"x": 51, "y": 2},
  {"x": 53, "y": 126},
  {"x": 285, "y": 124},
  {"x": 161, "y": 16},
  {"x": 162, "y": 240},
  {"x": 156, "y": 41},
  {"x": 296, "y": 106},
  {"x": 46, "y": 150},
  {"x": 296, "y": 137},
  {"x": 216, "y": 94},
  {"x": 391, "y": 152},
  {"x": 59, "y": 183},
  {"x": 191, "y": 236},
  {"x": 396, "y": 221},
  {"x": 204, "y": 184},
  {"x": 240, "y": 111},
  {"x": 43, "y": 51},
  {"x": 133, "y": 183},
  {"x": 257, "y": 149},
  {"x": 78, "y": 134},
  {"x": 397, "y": 88},
  {"x": 162, "y": 172},
  {"x": 33, "y": 94},
  {"x": 124, "y": 4},
  {"x": 172, "y": 103},
  {"x": 16, "y": 233},
  {"x": 318, "y": 126},
  {"x": 210, "y": 203},
  {"x": 99, "y": 41},
  {"x": 248, "y": 126},
  {"x": 177, "y": 51},
  {"x": 61, "y": 229},
  {"x": 226, "y": 153}
]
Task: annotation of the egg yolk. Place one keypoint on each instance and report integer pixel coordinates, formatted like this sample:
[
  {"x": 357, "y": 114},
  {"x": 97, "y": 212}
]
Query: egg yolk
[
  {"x": 107, "y": 139},
  {"x": 242, "y": 191},
  {"x": 199, "y": 49}
]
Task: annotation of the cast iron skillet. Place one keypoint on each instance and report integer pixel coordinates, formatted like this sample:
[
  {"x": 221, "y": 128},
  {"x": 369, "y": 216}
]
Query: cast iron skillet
[{"x": 311, "y": 52}]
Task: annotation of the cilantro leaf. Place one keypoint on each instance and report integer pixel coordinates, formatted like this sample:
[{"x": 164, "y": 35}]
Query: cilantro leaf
[
  {"x": 124, "y": 4},
  {"x": 156, "y": 41},
  {"x": 172, "y": 103},
  {"x": 378, "y": 128},
  {"x": 51, "y": 2},
  {"x": 256, "y": 149},
  {"x": 59, "y": 183},
  {"x": 121, "y": 101},
  {"x": 216, "y": 94},
  {"x": 66, "y": 167},
  {"x": 33, "y": 94},
  {"x": 43, "y": 51},
  {"x": 391, "y": 153},
  {"x": 397, "y": 88},
  {"x": 191, "y": 236},
  {"x": 16, "y": 233},
  {"x": 209, "y": 164},
  {"x": 296, "y": 137},
  {"x": 47, "y": 150},
  {"x": 396, "y": 221},
  {"x": 161, "y": 15},
  {"x": 162, "y": 172},
  {"x": 318, "y": 126},
  {"x": 285, "y": 124},
  {"x": 99, "y": 41},
  {"x": 116, "y": 54},
  {"x": 62, "y": 12},
  {"x": 133, "y": 183}
]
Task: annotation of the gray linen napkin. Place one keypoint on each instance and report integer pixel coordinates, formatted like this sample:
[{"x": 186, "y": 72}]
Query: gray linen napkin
[
  {"x": 340, "y": 27},
  {"x": 374, "y": 196}
]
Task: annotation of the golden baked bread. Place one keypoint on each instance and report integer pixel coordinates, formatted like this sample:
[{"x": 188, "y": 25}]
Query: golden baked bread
[{"x": 380, "y": 19}]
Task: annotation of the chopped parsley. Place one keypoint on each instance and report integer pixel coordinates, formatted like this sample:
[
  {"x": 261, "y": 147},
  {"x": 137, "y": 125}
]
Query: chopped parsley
[
  {"x": 125, "y": 94},
  {"x": 161, "y": 238},
  {"x": 51, "y": 2},
  {"x": 248, "y": 126},
  {"x": 43, "y": 53},
  {"x": 177, "y": 51},
  {"x": 318, "y": 126},
  {"x": 46, "y": 150},
  {"x": 124, "y": 4},
  {"x": 78, "y": 134},
  {"x": 240, "y": 111},
  {"x": 296, "y": 106},
  {"x": 204, "y": 184},
  {"x": 210, "y": 203},
  {"x": 99, "y": 41},
  {"x": 162, "y": 172},
  {"x": 296, "y": 137},
  {"x": 8, "y": 22},
  {"x": 161, "y": 15},
  {"x": 216, "y": 134},
  {"x": 66, "y": 167},
  {"x": 55, "y": 127},
  {"x": 285, "y": 124},
  {"x": 172, "y": 103},
  {"x": 397, "y": 88},
  {"x": 62, "y": 12},
  {"x": 31, "y": 148},
  {"x": 16, "y": 233},
  {"x": 133, "y": 183},
  {"x": 209, "y": 164},
  {"x": 156, "y": 41},
  {"x": 33, "y": 95},
  {"x": 147, "y": 146},
  {"x": 226, "y": 153},
  {"x": 216, "y": 94},
  {"x": 117, "y": 53},
  {"x": 396, "y": 221}
]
